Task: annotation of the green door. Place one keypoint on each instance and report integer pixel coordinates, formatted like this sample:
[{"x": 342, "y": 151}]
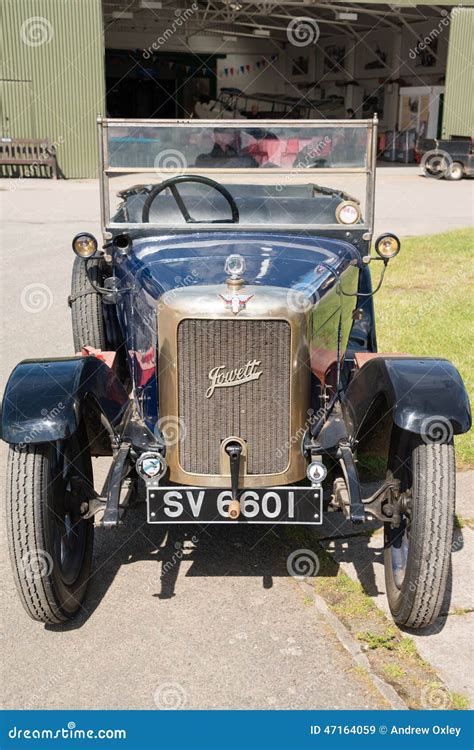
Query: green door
[{"x": 16, "y": 109}]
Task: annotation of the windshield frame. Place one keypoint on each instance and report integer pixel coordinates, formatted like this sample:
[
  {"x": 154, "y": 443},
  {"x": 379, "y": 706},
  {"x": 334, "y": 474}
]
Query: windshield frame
[{"x": 107, "y": 171}]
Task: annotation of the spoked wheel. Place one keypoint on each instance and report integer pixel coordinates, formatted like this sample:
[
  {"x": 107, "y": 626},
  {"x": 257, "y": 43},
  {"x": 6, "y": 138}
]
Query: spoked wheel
[
  {"x": 417, "y": 553},
  {"x": 435, "y": 166},
  {"x": 50, "y": 541}
]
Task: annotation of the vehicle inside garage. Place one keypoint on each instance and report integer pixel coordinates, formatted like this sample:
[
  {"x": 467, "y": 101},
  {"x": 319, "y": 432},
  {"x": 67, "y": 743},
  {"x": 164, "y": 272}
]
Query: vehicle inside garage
[{"x": 222, "y": 58}]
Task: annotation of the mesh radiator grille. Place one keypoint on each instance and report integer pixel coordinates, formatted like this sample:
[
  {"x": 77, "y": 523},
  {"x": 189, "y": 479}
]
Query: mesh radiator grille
[{"x": 257, "y": 411}]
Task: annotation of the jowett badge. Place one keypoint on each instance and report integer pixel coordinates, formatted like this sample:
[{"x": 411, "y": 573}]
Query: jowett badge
[
  {"x": 236, "y": 302},
  {"x": 222, "y": 378}
]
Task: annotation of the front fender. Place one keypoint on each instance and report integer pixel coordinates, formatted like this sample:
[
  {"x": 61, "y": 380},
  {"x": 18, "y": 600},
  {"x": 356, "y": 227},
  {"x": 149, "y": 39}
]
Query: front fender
[
  {"x": 415, "y": 390},
  {"x": 44, "y": 399}
]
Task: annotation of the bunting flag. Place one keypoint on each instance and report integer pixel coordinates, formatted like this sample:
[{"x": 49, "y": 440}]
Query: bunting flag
[{"x": 244, "y": 68}]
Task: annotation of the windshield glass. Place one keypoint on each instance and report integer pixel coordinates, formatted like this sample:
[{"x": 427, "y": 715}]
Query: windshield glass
[{"x": 267, "y": 174}]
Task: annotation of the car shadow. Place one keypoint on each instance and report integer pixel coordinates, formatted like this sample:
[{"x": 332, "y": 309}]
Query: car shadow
[
  {"x": 213, "y": 550},
  {"x": 226, "y": 550}
]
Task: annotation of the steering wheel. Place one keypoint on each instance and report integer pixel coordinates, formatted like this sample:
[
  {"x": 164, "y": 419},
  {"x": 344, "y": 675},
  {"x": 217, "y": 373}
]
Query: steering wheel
[{"x": 173, "y": 182}]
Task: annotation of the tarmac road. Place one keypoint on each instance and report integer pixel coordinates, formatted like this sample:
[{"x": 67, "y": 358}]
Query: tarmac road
[{"x": 225, "y": 626}]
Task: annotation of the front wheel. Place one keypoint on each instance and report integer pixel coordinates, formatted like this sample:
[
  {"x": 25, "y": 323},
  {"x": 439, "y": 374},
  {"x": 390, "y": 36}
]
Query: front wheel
[
  {"x": 86, "y": 305},
  {"x": 417, "y": 553},
  {"x": 50, "y": 542}
]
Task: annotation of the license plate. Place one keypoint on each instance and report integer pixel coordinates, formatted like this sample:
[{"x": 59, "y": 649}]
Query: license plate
[{"x": 278, "y": 505}]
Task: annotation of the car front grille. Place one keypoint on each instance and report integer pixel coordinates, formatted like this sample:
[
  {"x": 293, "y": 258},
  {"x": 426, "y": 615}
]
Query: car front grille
[{"x": 258, "y": 411}]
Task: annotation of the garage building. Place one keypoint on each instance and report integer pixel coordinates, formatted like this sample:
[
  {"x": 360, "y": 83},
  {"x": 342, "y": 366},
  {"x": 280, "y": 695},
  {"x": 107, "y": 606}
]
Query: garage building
[{"x": 65, "y": 62}]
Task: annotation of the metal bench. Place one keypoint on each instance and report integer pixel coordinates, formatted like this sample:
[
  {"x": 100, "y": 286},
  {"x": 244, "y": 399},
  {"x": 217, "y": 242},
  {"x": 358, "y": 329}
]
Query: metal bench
[{"x": 27, "y": 152}]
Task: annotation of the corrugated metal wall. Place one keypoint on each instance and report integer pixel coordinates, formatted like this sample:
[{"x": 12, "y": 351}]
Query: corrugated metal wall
[
  {"x": 458, "y": 114},
  {"x": 52, "y": 78}
]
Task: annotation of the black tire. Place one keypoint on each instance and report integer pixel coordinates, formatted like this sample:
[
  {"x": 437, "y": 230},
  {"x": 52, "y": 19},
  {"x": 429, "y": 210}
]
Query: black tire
[
  {"x": 455, "y": 171},
  {"x": 86, "y": 306},
  {"x": 50, "y": 543},
  {"x": 417, "y": 555},
  {"x": 435, "y": 167}
]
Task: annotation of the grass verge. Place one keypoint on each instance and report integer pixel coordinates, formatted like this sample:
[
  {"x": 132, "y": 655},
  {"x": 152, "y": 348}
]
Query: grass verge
[
  {"x": 426, "y": 307},
  {"x": 392, "y": 655}
]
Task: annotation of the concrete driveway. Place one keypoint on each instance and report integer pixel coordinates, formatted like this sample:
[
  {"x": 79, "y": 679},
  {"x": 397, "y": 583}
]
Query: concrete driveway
[{"x": 226, "y": 626}]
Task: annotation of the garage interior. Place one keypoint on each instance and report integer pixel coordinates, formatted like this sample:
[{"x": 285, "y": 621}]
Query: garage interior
[
  {"x": 410, "y": 62},
  {"x": 365, "y": 57}
]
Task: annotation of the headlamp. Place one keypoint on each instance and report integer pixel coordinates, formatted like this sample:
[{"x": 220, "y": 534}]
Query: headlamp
[
  {"x": 84, "y": 245},
  {"x": 348, "y": 212},
  {"x": 387, "y": 246}
]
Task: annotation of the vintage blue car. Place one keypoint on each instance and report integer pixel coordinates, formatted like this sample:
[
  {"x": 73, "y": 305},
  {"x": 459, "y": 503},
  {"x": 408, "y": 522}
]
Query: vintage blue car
[{"x": 226, "y": 359}]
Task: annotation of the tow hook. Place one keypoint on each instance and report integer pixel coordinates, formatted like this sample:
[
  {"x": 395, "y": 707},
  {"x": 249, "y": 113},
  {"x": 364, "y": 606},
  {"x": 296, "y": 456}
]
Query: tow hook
[{"x": 234, "y": 451}]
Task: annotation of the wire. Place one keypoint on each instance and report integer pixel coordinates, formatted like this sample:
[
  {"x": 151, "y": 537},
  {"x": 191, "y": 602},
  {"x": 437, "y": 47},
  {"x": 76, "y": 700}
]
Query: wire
[
  {"x": 356, "y": 294},
  {"x": 103, "y": 289}
]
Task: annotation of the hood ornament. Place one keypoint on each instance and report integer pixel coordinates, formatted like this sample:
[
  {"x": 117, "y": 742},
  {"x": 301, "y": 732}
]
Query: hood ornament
[{"x": 235, "y": 268}]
